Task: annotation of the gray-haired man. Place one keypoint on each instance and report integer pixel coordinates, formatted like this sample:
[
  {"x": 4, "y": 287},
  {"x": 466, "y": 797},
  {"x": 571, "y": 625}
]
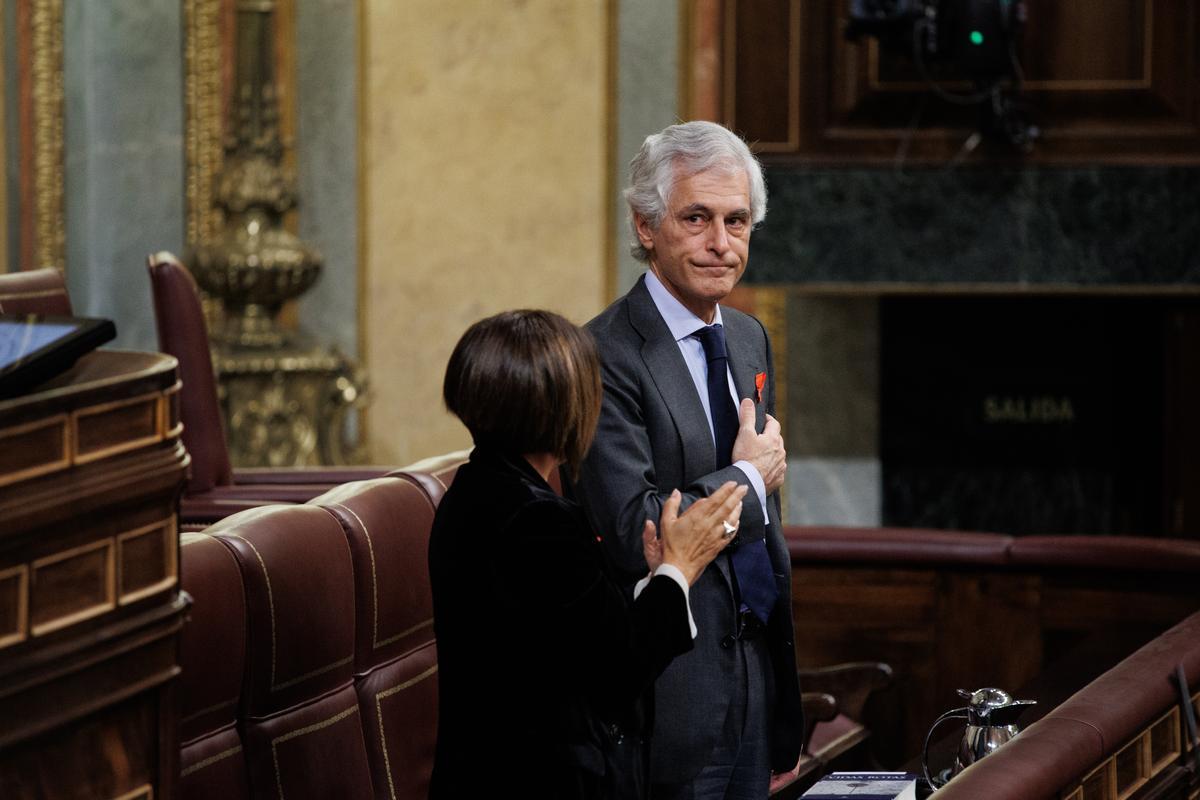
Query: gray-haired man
[{"x": 688, "y": 400}]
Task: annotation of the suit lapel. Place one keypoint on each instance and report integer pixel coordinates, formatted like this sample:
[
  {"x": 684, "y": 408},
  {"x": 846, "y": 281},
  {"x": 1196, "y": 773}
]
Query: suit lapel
[
  {"x": 670, "y": 374},
  {"x": 662, "y": 358}
]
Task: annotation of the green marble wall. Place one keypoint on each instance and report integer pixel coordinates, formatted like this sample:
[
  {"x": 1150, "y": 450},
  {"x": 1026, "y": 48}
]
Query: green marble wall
[
  {"x": 1090, "y": 226},
  {"x": 864, "y": 228}
]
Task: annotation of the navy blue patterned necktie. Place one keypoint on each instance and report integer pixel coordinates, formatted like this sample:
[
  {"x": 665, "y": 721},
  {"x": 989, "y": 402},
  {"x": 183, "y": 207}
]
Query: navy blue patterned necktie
[
  {"x": 720, "y": 401},
  {"x": 750, "y": 561}
]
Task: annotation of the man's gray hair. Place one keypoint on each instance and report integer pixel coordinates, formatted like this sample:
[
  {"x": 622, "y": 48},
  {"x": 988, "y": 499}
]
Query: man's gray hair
[{"x": 679, "y": 152}]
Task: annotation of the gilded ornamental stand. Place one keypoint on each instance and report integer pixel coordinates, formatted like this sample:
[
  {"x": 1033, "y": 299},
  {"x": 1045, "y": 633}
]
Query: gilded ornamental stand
[{"x": 285, "y": 398}]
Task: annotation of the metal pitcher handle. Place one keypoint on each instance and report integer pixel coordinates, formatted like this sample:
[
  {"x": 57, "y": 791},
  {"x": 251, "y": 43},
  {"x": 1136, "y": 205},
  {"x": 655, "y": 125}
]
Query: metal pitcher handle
[{"x": 954, "y": 713}]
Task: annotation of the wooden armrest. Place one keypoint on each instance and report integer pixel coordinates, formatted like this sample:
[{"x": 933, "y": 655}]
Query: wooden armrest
[
  {"x": 851, "y": 684},
  {"x": 818, "y": 707}
]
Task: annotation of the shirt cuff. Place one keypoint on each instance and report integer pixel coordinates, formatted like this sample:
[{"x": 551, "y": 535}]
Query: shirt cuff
[
  {"x": 670, "y": 571},
  {"x": 756, "y": 481}
]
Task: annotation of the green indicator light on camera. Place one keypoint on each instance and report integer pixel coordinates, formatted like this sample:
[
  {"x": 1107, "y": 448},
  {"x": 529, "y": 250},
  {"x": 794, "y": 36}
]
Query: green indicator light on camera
[{"x": 976, "y": 37}]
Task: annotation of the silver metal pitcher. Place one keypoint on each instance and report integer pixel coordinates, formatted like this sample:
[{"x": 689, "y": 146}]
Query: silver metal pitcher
[{"x": 991, "y": 716}]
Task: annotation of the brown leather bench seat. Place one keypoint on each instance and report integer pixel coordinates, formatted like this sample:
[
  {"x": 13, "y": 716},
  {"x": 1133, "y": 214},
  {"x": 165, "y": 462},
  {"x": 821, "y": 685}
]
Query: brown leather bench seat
[
  {"x": 311, "y": 644},
  {"x": 311, "y": 634},
  {"x": 395, "y": 655},
  {"x": 213, "y": 652}
]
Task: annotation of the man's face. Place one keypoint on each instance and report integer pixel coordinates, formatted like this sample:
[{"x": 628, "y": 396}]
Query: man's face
[{"x": 699, "y": 251}]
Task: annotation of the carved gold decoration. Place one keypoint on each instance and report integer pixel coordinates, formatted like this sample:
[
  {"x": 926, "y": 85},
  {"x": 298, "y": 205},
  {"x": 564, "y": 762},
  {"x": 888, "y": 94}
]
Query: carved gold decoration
[
  {"x": 289, "y": 407},
  {"x": 46, "y": 87},
  {"x": 285, "y": 399},
  {"x": 202, "y": 53},
  {"x": 254, "y": 264}
]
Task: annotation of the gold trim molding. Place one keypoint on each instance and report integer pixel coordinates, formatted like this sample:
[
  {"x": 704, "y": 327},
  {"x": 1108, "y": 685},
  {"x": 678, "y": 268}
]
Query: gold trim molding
[
  {"x": 4, "y": 199},
  {"x": 202, "y": 125},
  {"x": 770, "y": 306},
  {"x": 41, "y": 24}
]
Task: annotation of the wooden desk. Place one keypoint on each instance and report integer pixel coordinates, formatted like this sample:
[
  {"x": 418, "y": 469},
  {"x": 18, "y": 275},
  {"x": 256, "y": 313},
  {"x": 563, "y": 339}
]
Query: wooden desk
[{"x": 91, "y": 467}]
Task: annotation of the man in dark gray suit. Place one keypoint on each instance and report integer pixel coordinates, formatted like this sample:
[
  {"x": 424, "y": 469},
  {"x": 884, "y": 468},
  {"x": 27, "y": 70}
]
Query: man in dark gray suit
[{"x": 688, "y": 399}]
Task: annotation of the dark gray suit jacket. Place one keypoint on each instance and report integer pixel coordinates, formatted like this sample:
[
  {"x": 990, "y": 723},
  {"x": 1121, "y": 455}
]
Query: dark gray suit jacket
[{"x": 654, "y": 437}]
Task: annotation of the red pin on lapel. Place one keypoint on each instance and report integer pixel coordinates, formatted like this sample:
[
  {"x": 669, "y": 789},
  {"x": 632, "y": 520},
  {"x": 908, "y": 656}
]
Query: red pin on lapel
[{"x": 760, "y": 380}]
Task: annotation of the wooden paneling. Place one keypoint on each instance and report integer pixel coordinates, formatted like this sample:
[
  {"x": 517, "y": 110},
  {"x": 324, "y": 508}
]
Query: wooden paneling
[
  {"x": 847, "y": 614},
  {"x": 82, "y": 755},
  {"x": 14, "y": 605},
  {"x": 962, "y": 627},
  {"x": 759, "y": 85},
  {"x": 1071, "y": 45},
  {"x": 146, "y": 561},
  {"x": 1114, "y": 82},
  {"x": 72, "y": 586},
  {"x": 34, "y": 448},
  {"x": 997, "y": 609},
  {"x": 115, "y": 427},
  {"x": 90, "y": 607}
]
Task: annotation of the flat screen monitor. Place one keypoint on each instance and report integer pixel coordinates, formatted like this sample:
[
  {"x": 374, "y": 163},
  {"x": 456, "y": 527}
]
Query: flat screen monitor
[{"x": 35, "y": 348}]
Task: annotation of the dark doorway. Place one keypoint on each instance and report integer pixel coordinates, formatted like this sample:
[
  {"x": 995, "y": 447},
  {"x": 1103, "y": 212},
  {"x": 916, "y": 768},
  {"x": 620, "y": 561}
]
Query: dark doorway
[{"x": 1038, "y": 415}]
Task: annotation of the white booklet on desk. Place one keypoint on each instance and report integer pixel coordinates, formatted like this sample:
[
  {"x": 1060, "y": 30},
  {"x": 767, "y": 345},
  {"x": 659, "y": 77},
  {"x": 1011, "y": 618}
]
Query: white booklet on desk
[{"x": 865, "y": 786}]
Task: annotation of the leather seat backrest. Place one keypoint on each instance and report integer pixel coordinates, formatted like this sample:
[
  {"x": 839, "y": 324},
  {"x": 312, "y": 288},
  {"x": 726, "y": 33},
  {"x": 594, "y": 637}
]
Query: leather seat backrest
[
  {"x": 34, "y": 291},
  {"x": 434, "y": 475},
  {"x": 387, "y": 523},
  {"x": 183, "y": 333},
  {"x": 213, "y": 655},
  {"x": 301, "y": 725}
]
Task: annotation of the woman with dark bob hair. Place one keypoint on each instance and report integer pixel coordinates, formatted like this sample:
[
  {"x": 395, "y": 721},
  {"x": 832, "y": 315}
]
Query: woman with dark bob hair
[{"x": 544, "y": 662}]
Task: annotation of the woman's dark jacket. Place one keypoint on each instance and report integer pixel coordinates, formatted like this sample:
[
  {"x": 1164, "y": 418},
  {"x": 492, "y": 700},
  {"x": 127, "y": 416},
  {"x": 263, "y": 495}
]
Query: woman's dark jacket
[{"x": 543, "y": 660}]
